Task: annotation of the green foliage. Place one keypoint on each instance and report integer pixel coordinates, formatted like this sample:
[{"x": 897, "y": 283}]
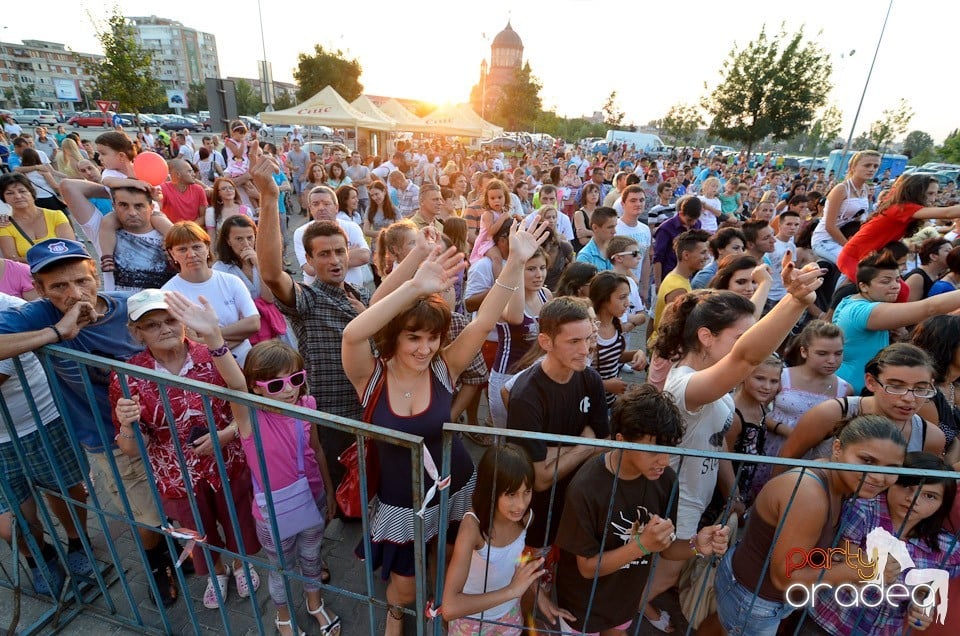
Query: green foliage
[
  {"x": 681, "y": 123},
  {"x": 950, "y": 150},
  {"x": 248, "y": 100},
  {"x": 916, "y": 143},
  {"x": 126, "y": 73},
  {"x": 567, "y": 128},
  {"x": 197, "y": 96},
  {"x": 283, "y": 101},
  {"x": 25, "y": 95},
  {"x": 924, "y": 156},
  {"x": 316, "y": 72},
  {"x": 612, "y": 115},
  {"x": 772, "y": 87},
  {"x": 892, "y": 123},
  {"x": 519, "y": 104}
]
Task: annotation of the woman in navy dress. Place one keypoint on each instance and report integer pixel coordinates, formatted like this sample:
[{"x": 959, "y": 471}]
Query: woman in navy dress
[{"x": 408, "y": 387}]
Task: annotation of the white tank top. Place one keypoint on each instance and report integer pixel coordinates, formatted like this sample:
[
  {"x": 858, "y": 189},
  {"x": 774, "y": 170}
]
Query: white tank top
[
  {"x": 855, "y": 203},
  {"x": 498, "y": 574}
]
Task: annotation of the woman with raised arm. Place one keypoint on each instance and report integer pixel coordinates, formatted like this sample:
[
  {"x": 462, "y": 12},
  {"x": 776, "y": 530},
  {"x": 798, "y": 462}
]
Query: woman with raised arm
[
  {"x": 717, "y": 344},
  {"x": 409, "y": 387}
]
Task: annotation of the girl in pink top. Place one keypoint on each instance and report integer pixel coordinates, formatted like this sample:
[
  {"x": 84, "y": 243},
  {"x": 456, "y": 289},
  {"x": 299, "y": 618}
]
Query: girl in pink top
[{"x": 275, "y": 370}]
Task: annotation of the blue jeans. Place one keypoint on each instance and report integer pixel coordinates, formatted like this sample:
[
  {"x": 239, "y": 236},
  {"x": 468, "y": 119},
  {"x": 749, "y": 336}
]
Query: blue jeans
[{"x": 733, "y": 601}]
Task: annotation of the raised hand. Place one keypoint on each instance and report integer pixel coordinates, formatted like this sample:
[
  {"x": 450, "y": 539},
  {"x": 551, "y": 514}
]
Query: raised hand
[
  {"x": 202, "y": 318},
  {"x": 438, "y": 271},
  {"x": 801, "y": 283},
  {"x": 761, "y": 274},
  {"x": 524, "y": 242},
  {"x": 427, "y": 239},
  {"x": 262, "y": 169}
]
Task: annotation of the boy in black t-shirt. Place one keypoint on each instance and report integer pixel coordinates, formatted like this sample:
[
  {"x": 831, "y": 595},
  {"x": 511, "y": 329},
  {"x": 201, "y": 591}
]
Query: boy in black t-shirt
[
  {"x": 614, "y": 543},
  {"x": 561, "y": 396}
]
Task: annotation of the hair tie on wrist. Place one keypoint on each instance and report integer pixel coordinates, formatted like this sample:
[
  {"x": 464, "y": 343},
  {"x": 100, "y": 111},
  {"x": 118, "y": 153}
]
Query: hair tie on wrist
[{"x": 219, "y": 352}]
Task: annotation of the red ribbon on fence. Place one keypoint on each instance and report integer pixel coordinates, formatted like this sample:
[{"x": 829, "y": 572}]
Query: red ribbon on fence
[{"x": 430, "y": 611}]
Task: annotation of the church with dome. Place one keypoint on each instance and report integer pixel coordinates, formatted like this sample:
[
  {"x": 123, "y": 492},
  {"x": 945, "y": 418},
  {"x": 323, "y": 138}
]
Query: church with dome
[{"x": 506, "y": 59}]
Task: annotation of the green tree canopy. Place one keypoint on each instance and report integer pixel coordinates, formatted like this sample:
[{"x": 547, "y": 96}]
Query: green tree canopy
[
  {"x": 283, "y": 101},
  {"x": 916, "y": 142},
  {"x": 950, "y": 150},
  {"x": 681, "y": 122},
  {"x": 126, "y": 73},
  {"x": 248, "y": 100},
  {"x": 892, "y": 123},
  {"x": 612, "y": 115},
  {"x": 519, "y": 104},
  {"x": 772, "y": 87},
  {"x": 197, "y": 96},
  {"x": 327, "y": 68}
]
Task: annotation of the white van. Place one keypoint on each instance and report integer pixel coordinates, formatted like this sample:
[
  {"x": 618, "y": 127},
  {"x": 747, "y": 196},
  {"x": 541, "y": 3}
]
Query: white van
[{"x": 640, "y": 141}]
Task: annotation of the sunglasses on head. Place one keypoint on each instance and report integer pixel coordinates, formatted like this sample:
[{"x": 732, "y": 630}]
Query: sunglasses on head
[{"x": 277, "y": 385}]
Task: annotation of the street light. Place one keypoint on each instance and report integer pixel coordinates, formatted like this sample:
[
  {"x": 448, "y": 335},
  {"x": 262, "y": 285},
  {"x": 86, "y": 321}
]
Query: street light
[{"x": 846, "y": 147}]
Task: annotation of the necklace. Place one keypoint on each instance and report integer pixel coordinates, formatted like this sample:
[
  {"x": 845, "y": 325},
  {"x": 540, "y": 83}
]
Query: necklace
[{"x": 406, "y": 394}]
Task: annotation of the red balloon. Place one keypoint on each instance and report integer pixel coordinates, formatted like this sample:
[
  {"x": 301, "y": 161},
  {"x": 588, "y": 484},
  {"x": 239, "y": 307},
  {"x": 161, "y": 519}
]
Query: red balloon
[{"x": 150, "y": 167}]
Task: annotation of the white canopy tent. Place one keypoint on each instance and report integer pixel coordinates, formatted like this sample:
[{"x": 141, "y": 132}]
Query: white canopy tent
[
  {"x": 326, "y": 108},
  {"x": 406, "y": 121}
]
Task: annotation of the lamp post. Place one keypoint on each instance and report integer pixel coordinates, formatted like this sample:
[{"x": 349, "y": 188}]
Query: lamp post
[{"x": 846, "y": 147}]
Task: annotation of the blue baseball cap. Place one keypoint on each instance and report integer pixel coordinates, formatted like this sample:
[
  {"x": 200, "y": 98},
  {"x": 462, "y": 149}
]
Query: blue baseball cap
[{"x": 49, "y": 251}]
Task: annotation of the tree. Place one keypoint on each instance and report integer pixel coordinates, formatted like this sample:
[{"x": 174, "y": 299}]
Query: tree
[
  {"x": 126, "y": 72},
  {"x": 283, "y": 101},
  {"x": 519, "y": 104},
  {"x": 612, "y": 115},
  {"x": 772, "y": 87},
  {"x": 819, "y": 140},
  {"x": 916, "y": 142},
  {"x": 681, "y": 122},
  {"x": 197, "y": 96},
  {"x": 316, "y": 72},
  {"x": 950, "y": 150},
  {"x": 248, "y": 100},
  {"x": 892, "y": 123},
  {"x": 25, "y": 94}
]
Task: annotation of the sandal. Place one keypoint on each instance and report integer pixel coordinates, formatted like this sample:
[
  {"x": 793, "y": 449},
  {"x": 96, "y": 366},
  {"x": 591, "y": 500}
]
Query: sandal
[
  {"x": 240, "y": 577},
  {"x": 332, "y": 627},
  {"x": 210, "y": 595},
  {"x": 287, "y": 623},
  {"x": 662, "y": 623}
]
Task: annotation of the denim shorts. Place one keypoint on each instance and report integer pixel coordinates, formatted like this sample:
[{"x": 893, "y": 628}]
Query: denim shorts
[{"x": 733, "y": 601}]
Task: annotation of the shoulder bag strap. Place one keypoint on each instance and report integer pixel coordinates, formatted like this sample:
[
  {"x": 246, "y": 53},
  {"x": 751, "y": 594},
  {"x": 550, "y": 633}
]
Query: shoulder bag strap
[{"x": 22, "y": 233}]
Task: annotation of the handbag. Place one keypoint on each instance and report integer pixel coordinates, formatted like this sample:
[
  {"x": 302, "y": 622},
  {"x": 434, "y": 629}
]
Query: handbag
[
  {"x": 698, "y": 575},
  {"x": 348, "y": 491},
  {"x": 294, "y": 506}
]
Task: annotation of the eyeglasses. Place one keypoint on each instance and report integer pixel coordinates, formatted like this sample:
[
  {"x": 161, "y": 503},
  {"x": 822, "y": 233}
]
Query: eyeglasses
[
  {"x": 277, "y": 385},
  {"x": 634, "y": 253},
  {"x": 922, "y": 393}
]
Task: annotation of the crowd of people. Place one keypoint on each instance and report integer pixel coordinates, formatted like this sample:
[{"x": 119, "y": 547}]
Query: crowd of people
[{"x": 770, "y": 313}]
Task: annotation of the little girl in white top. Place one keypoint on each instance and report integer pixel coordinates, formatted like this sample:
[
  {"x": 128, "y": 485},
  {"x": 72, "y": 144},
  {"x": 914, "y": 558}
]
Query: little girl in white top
[{"x": 489, "y": 572}]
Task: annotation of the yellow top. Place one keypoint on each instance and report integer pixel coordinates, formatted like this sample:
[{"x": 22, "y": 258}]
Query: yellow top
[
  {"x": 670, "y": 283},
  {"x": 54, "y": 218}
]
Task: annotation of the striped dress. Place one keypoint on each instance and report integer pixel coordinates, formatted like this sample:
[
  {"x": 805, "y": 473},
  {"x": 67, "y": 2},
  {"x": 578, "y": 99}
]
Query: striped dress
[{"x": 609, "y": 353}]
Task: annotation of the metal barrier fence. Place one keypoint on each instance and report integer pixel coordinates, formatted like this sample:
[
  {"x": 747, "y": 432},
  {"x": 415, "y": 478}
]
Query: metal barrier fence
[
  {"x": 111, "y": 592},
  {"x": 701, "y": 592},
  {"x": 118, "y": 592}
]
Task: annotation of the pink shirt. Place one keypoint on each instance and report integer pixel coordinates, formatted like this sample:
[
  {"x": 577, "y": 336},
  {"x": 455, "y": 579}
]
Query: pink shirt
[
  {"x": 278, "y": 437},
  {"x": 16, "y": 279}
]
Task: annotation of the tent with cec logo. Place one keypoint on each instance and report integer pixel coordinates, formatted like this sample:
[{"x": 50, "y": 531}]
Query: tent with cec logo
[
  {"x": 326, "y": 108},
  {"x": 406, "y": 121},
  {"x": 461, "y": 121}
]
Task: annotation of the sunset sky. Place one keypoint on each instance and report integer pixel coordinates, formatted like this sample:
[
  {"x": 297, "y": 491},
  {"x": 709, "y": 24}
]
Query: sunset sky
[{"x": 652, "y": 54}]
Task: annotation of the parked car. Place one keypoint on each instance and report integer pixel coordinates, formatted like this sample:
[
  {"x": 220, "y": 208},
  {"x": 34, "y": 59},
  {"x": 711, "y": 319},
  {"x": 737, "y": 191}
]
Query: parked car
[
  {"x": 501, "y": 144},
  {"x": 178, "y": 122},
  {"x": 92, "y": 118},
  {"x": 720, "y": 150},
  {"x": 35, "y": 117},
  {"x": 252, "y": 122}
]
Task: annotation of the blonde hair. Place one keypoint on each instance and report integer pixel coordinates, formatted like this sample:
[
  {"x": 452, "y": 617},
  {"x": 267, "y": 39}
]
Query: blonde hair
[
  {"x": 710, "y": 181},
  {"x": 68, "y": 158},
  {"x": 770, "y": 196},
  {"x": 858, "y": 157},
  {"x": 389, "y": 240}
]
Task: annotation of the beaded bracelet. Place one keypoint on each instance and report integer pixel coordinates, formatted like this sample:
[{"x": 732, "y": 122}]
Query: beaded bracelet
[
  {"x": 57, "y": 331},
  {"x": 220, "y": 352}
]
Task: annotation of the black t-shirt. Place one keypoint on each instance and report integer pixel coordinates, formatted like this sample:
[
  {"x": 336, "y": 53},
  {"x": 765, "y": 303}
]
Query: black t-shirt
[
  {"x": 587, "y": 522},
  {"x": 541, "y": 405}
]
